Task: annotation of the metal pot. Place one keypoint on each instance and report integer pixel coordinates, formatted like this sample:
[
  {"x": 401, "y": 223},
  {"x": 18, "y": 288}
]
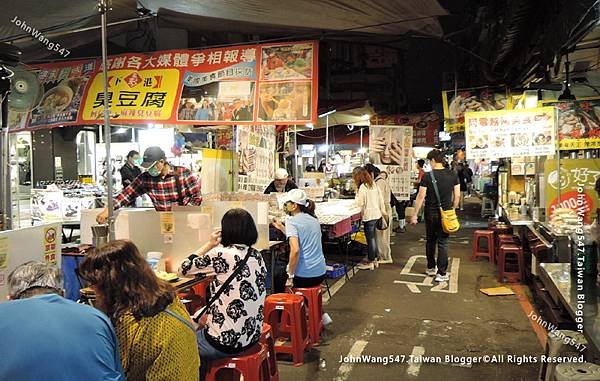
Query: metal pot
[{"x": 100, "y": 235}]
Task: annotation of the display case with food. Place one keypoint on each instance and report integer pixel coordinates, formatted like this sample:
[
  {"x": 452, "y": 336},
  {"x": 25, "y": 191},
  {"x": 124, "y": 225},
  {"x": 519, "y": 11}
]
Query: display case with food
[{"x": 563, "y": 221}]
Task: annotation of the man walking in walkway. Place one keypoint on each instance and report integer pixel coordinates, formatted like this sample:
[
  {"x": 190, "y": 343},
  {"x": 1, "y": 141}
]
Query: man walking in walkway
[{"x": 449, "y": 194}]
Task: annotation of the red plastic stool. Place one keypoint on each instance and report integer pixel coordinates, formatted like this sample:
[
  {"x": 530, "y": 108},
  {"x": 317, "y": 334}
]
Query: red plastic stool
[
  {"x": 290, "y": 324},
  {"x": 252, "y": 364},
  {"x": 503, "y": 272},
  {"x": 314, "y": 301},
  {"x": 266, "y": 339},
  {"x": 504, "y": 239},
  {"x": 477, "y": 251}
]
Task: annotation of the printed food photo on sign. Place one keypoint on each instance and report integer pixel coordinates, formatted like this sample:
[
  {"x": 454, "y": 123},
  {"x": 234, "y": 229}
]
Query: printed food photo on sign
[
  {"x": 287, "y": 62},
  {"x": 289, "y": 101},
  {"x": 479, "y": 142},
  {"x": 520, "y": 140},
  {"x": 425, "y": 125},
  {"x": 542, "y": 139},
  {"x": 456, "y": 104},
  {"x": 498, "y": 141},
  {"x": 578, "y": 123},
  {"x": 17, "y": 120},
  {"x": 218, "y": 101},
  {"x": 63, "y": 88}
]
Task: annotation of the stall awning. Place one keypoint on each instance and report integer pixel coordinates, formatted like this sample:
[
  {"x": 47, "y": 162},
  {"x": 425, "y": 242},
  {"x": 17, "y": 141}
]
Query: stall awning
[
  {"x": 337, "y": 135},
  {"x": 354, "y": 113}
]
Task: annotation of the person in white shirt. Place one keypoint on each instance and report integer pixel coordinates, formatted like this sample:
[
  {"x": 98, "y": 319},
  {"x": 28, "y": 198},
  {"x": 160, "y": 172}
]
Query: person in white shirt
[
  {"x": 369, "y": 200},
  {"x": 383, "y": 237}
]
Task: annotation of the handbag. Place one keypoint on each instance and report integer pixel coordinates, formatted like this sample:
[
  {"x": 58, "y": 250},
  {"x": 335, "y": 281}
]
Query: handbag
[
  {"x": 450, "y": 223},
  {"x": 383, "y": 223},
  {"x": 224, "y": 286}
]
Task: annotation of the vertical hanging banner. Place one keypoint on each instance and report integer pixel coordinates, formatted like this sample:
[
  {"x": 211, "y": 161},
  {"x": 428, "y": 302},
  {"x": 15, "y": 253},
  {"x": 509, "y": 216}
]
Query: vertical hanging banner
[
  {"x": 247, "y": 84},
  {"x": 256, "y": 150},
  {"x": 390, "y": 149}
]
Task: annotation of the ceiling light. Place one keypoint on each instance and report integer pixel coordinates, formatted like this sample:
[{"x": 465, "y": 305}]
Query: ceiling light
[{"x": 327, "y": 113}]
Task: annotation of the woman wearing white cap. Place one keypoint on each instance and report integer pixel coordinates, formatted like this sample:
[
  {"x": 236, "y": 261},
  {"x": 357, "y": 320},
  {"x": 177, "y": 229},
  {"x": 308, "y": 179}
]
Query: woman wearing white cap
[
  {"x": 282, "y": 182},
  {"x": 306, "y": 267}
]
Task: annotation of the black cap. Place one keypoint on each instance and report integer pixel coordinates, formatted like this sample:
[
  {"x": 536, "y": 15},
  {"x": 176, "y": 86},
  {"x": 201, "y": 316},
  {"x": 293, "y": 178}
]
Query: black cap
[{"x": 152, "y": 155}]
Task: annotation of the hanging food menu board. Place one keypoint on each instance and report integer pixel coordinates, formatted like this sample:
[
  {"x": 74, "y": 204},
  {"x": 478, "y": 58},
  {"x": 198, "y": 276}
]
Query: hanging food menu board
[{"x": 514, "y": 133}]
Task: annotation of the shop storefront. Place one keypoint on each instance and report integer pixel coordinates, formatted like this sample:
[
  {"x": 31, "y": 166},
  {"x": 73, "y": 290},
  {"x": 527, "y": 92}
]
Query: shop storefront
[{"x": 545, "y": 167}]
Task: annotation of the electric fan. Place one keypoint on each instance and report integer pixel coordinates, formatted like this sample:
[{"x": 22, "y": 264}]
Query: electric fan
[{"x": 25, "y": 91}]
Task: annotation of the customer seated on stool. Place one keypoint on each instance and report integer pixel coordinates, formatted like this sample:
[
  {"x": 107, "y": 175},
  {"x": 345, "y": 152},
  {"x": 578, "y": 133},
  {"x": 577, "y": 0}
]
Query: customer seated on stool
[
  {"x": 234, "y": 322},
  {"x": 156, "y": 336},
  {"x": 306, "y": 267},
  {"x": 47, "y": 337}
]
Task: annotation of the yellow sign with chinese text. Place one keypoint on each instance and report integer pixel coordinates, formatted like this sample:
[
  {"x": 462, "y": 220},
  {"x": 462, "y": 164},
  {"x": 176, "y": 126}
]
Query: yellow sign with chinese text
[
  {"x": 576, "y": 181},
  {"x": 133, "y": 95},
  {"x": 167, "y": 223},
  {"x": 51, "y": 244}
]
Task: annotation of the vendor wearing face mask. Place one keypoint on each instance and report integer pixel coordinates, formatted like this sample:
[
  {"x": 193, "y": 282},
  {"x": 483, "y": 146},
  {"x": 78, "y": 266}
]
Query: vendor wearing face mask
[
  {"x": 282, "y": 182},
  {"x": 165, "y": 184}
]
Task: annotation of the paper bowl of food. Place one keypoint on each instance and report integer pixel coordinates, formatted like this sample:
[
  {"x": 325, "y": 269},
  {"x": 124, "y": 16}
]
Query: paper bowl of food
[{"x": 56, "y": 99}]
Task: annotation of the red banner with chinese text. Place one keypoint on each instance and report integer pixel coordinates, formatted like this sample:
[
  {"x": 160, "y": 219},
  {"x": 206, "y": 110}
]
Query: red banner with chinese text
[
  {"x": 426, "y": 126},
  {"x": 247, "y": 84}
]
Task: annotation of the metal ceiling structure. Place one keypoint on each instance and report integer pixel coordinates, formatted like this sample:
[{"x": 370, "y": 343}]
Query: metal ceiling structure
[
  {"x": 67, "y": 22},
  {"x": 509, "y": 42}
]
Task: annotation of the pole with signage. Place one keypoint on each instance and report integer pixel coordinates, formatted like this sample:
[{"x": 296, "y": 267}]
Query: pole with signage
[
  {"x": 5, "y": 188},
  {"x": 103, "y": 8},
  {"x": 326, "y": 116}
]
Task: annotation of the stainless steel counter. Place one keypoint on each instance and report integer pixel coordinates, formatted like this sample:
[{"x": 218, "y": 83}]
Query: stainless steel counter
[
  {"x": 516, "y": 219},
  {"x": 563, "y": 288}
]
